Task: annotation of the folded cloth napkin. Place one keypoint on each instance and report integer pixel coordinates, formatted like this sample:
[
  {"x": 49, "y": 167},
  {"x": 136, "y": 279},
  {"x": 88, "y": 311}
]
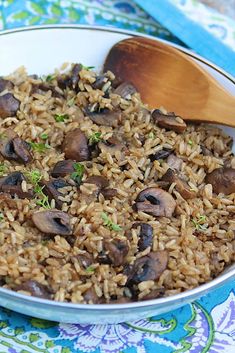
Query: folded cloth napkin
[{"x": 191, "y": 33}]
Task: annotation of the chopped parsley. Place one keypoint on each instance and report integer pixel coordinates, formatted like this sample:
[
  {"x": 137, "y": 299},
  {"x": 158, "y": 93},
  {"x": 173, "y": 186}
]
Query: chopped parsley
[
  {"x": 78, "y": 172},
  {"x": 44, "y": 136},
  {"x": 190, "y": 142},
  {"x": 34, "y": 177},
  {"x": 95, "y": 138},
  {"x": 2, "y": 168},
  {"x": 90, "y": 269},
  {"x": 199, "y": 223},
  {"x": 151, "y": 135},
  {"x": 1, "y": 217},
  {"x": 39, "y": 147},
  {"x": 60, "y": 118},
  {"x": 109, "y": 223},
  {"x": 49, "y": 78},
  {"x": 87, "y": 67},
  {"x": 41, "y": 199},
  {"x": 44, "y": 202}
]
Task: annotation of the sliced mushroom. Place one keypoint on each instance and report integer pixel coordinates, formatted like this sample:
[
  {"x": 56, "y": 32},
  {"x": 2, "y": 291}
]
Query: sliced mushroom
[
  {"x": 205, "y": 151},
  {"x": 174, "y": 162},
  {"x": 112, "y": 145},
  {"x": 36, "y": 289},
  {"x": 125, "y": 90},
  {"x": 5, "y": 84},
  {"x": 222, "y": 180},
  {"x": 90, "y": 296},
  {"x": 145, "y": 235},
  {"x": 52, "y": 222},
  {"x": 156, "y": 202},
  {"x": 51, "y": 189},
  {"x": 182, "y": 187},
  {"x": 75, "y": 146},
  {"x": 12, "y": 147},
  {"x": 9, "y": 105},
  {"x": 169, "y": 121},
  {"x": 11, "y": 184},
  {"x": 100, "y": 181},
  {"x": 106, "y": 117},
  {"x": 100, "y": 82},
  {"x": 75, "y": 75},
  {"x": 41, "y": 88},
  {"x": 162, "y": 154},
  {"x": 63, "y": 168},
  {"x": 117, "y": 250},
  {"x": 85, "y": 259},
  {"x": 154, "y": 294},
  {"x": 149, "y": 267},
  {"x": 109, "y": 193}
]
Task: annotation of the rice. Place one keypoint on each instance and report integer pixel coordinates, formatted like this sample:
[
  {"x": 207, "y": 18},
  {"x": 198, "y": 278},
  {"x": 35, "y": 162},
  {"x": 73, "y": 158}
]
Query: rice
[{"x": 198, "y": 237}]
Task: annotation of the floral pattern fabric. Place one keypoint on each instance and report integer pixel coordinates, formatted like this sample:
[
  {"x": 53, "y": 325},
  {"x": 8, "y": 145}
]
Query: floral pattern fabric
[{"x": 205, "y": 326}]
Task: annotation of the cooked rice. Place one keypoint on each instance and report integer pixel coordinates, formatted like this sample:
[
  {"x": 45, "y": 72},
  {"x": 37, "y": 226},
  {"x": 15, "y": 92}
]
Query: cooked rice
[{"x": 196, "y": 255}]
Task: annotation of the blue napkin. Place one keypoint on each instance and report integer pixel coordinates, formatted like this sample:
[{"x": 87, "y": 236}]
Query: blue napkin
[{"x": 191, "y": 33}]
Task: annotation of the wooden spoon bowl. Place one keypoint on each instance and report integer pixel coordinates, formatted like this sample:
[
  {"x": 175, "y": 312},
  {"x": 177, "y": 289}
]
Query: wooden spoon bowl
[{"x": 167, "y": 77}]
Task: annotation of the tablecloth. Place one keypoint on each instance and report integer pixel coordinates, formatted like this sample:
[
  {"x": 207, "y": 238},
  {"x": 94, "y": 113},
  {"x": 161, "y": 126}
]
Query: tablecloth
[{"x": 205, "y": 326}]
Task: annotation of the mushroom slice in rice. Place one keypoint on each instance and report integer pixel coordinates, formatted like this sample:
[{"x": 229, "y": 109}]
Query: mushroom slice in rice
[
  {"x": 149, "y": 267},
  {"x": 11, "y": 184},
  {"x": 145, "y": 235},
  {"x": 52, "y": 222},
  {"x": 125, "y": 90},
  {"x": 35, "y": 288},
  {"x": 51, "y": 189},
  {"x": 169, "y": 121},
  {"x": 12, "y": 147},
  {"x": 117, "y": 250},
  {"x": 75, "y": 146},
  {"x": 222, "y": 180},
  {"x": 9, "y": 105},
  {"x": 182, "y": 187},
  {"x": 5, "y": 84},
  {"x": 62, "y": 168},
  {"x": 106, "y": 117},
  {"x": 156, "y": 202}
]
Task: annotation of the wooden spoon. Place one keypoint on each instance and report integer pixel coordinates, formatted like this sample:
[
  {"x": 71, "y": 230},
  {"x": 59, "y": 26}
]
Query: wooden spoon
[{"x": 166, "y": 77}]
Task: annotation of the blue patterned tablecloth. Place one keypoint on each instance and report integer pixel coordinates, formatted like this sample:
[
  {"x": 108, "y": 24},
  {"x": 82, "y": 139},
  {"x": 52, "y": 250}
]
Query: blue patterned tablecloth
[{"x": 206, "y": 326}]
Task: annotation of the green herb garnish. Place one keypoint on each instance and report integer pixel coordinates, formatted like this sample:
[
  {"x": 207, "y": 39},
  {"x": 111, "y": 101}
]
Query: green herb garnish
[
  {"x": 34, "y": 177},
  {"x": 39, "y": 147},
  {"x": 199, "y": 223},
  {"x": 90, "y": 269},
  {"x": 41, "y": 199},
  {"x": 48, "y": 78},
  {"x": 190, "y": 142},
  {"x": 95, "y": 138},
  {"x": 78, "y": 172},
  {"x": 2, "y": 169},
  {"x": 1, "y": 217},
  {"x": 44, "y": 202},
  {"x": 151, "y": 135},
  {"x": 44, "y": 136},
  {"x": 109, "y": 223},
  {"x": 60, "y": 118},
  {"x": 87, "y": 67}
]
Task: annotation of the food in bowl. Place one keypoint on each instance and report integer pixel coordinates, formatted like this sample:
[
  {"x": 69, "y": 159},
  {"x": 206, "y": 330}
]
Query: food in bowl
[{"x": 104, "y": 201}]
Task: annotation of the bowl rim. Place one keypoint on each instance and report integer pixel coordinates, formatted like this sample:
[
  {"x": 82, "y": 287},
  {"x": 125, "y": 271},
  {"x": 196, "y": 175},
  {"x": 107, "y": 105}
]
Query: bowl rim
[{"x": 191, "y": 293}]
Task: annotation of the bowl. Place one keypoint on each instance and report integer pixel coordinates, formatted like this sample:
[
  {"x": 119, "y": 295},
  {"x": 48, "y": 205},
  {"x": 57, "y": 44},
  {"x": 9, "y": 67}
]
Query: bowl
[{"x": 41, "y": 49}]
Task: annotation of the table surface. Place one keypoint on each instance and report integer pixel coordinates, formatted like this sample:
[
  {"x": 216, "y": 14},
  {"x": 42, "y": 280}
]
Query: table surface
[{"x": 227, "y": 7}]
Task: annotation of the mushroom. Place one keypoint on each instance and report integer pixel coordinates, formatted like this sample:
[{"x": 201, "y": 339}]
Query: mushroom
[
  {"x": 51, "y": 189},
  {"x": 75, "y": 75},
  {"x": 106, "y": 117},
  {"x": 222, "y": 180},
  {"x": 12, "y": 147},
  {"x": 125, "y": 90},
  {"x": 85, "y": 259},
  {"x": 169, "y": 121},
  {"x": 62, "y": 168},
  {"x": 174, "y": 162},
  {"x": 109, "y": 193},
  {"x": 149, "y": 267},
  {"x": 112, "y": 145},
  {"x": 155, "y": 293},
  {"x": 36, "y": 289},
  {"x": 117, "y": 250},
  {"x": 11, "y": 184},
  {"x": 75, "y": 146},
  {"x": 5, "y": 84},
  {"x": 99, "y": 82},
  {"x": 182, "y": 187},
  {"x": 145, "y": 235},
  {"x": 206, "y": 151},
  {"x": 52, "y": 222},
  {"x": 90, "y": 296},
  {"x": 156, "y": 202},
  {"x": 100, "y": 181},
  {"x": 9, "y": 105},
  {"x": 162, "y": 154},
  {"x": 40, "y": 88}
]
